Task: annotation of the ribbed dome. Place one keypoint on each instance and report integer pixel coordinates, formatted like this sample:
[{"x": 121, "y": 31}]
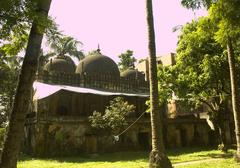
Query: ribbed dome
[
  {"x": 133, "y": 74},
  {"x": 96, "y": 63},
  {"x": 63, "y": 64}
]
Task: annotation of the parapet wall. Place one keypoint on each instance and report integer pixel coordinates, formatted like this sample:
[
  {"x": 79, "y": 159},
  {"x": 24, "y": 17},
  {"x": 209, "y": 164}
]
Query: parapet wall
[{"x": 97, "y": 81}]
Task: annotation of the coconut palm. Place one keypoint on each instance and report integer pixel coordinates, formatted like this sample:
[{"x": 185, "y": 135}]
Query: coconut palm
[
  {"x": 158, "y": 157},
  {"x": 65, "y": 45}
]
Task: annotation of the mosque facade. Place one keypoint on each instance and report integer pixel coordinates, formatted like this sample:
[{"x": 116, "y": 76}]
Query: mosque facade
[{"x": 65, "y": 95}]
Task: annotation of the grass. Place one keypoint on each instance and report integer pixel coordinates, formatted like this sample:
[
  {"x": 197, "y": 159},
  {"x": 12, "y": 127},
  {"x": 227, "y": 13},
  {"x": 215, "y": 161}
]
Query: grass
[
  {"x": 226, "y": 163},
  {"x": 191, "y": 154},
  {"x": 133, "y": 160}
]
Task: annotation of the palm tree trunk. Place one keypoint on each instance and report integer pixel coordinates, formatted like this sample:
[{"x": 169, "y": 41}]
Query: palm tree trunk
[
  {"x": 23, "y": 94},
  {"x": 158, "y": 157},
  {"x": 235, "y": 94}
]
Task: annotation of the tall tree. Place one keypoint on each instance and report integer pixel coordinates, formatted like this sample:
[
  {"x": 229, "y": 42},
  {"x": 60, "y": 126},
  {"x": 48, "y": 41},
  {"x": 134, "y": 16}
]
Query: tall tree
[
  {"x": 226, "y": 15},
  {"x": 200, "y": 77},
  {"x": 235, "y": 94},
  {"x": 228, "y": 21},
  {"x": 126, "y": 60},
  {"x": 23, "y": 94},
  {"x": 158, "y": 157}
]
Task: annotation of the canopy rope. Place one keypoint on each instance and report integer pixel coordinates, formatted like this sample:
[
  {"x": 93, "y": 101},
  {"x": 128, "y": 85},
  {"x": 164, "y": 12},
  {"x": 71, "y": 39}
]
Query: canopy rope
[{"x": 116, "y": 137}]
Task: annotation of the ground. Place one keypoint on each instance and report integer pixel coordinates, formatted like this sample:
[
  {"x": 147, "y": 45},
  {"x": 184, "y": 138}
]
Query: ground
[{"x": 181, "y": 158}]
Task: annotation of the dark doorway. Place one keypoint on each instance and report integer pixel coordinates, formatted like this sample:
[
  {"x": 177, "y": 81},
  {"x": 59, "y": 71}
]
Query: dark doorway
[
  {"x": 62, "y": 110},
  {"x": 213, "y": 138},
  {"x": 143, "y": 139},
  {"x": 29, "y": 141},
  {"x": 183, "y": 134}
]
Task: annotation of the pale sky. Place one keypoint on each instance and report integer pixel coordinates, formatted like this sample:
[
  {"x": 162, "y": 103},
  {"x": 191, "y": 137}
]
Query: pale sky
[{"x": 118, "y": 25}]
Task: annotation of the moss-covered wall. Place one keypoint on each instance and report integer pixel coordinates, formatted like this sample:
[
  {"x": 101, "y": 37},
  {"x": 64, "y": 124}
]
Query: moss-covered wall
[
  {"x": 74, "y": 137},
  {"x": 58, "y": 138}
]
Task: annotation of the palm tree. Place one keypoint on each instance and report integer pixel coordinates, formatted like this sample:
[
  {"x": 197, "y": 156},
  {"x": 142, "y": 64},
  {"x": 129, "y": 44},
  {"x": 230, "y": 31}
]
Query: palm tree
[
  {"x": 24, "y": 89},
  {"x": 158, "y": 157},
  {"x": 65, "y": 45},
  {"x": 235, "y": 94}
]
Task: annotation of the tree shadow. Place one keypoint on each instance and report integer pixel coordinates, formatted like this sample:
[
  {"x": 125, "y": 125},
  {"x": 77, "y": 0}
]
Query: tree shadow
[
  {"x": 220, "y": 155},
  {"x": 188, "y": 150},
  {"x": 109, "y": 157},
  {"x": 130, "y": 156}
]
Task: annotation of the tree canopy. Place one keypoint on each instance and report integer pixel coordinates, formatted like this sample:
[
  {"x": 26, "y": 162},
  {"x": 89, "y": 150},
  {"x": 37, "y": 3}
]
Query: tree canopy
[
  {"x": 225, "y": 15},
  {"x": 126, "y": 60},
  {"x": 63, "y": 45},
  {"x": 201, "y": 77},
  {"x": 9, "y": 70}
]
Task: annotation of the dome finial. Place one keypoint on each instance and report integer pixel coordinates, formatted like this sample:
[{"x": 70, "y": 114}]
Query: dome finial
[{"x": 98, "y": 49}]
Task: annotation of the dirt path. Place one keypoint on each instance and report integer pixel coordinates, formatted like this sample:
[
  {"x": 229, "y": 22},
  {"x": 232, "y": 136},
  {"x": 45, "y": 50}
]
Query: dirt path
[{"x": 196, "y": 161}]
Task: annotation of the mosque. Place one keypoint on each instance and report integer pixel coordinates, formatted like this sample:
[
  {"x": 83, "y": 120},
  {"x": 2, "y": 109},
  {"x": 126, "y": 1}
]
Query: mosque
[{"x": 65, "y": 95}]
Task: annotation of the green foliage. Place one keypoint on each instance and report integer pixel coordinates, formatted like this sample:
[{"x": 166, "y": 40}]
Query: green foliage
[
  {"x": 199, "y": 62},
  {"x": 98, "y": 120},
  {"x": 199, "y": 77},
  {"x": 225, "y": 18},
  {"x": 202, "y": 46},
  {"x": 9, "y": 70},
  {"x": 16, "y": 41},
  {"x": 16, "y": 18},
  {"x": 65, "y": 45},
  {"x": 225, "y": 15},
  {"x": 166, "y": 77},
  {"x": 198, "y": 74},
  {"x": 196, "y": 4},
  {"x": 14, "y": 14},
  {"x": 126, "y": 60},
  {"x": 114, "y": 117}
]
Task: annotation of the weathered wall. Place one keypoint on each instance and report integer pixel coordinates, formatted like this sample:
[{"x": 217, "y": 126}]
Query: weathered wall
[
  {"x": 187, "y": 132},
  {"x": 66, "y": 103},
  {"x": 73, "y": 136},
  {"x": 66, "y": 131}
]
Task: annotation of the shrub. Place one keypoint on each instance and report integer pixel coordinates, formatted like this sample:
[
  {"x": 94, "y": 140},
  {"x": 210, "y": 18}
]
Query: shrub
[{"x": 114, "y": 117}]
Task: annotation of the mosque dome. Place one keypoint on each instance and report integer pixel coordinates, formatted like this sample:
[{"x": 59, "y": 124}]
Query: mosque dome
[
  {"x": 96, "y": 63},
  {"x": 133, "y": 74},
  {"x": 62, "y": 64}
]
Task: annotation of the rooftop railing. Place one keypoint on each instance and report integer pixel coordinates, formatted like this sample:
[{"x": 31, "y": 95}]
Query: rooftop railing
[{"x": 96, "y": 81}]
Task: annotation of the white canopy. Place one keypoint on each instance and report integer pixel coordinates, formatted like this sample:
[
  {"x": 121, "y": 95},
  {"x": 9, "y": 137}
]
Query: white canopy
[{"x": 43, "y": 90}]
